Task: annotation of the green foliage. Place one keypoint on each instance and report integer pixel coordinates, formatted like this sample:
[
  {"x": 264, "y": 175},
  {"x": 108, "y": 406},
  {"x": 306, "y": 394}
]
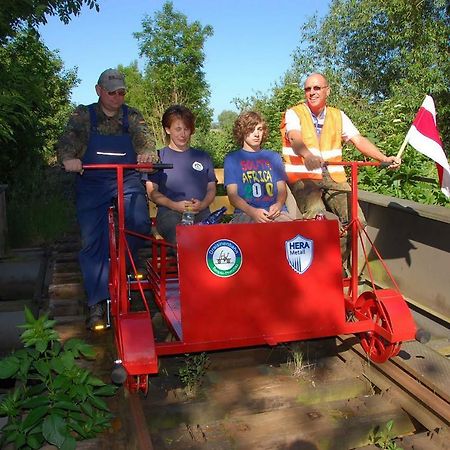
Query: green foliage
[
  {"x": 216, "y": 143},
  {"x": 382, "y": 437},
  {"x": 34, "y": 106},
  {"x": 226, "y": 119},
  {"x": 55, "y": 401},
  {"x": 193, "y": 371},
  {"x": 173, "y": 49},
  {"x": 34, "y": 95},
  {"x": 272, "y": 107},
  {"x": 17, "y": 14},
  {"x": 380, "y": 58}
]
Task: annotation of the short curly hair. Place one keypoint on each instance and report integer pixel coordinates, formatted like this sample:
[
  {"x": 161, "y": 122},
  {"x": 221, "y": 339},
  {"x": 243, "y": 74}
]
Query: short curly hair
[{"x": 246, "y": 123}]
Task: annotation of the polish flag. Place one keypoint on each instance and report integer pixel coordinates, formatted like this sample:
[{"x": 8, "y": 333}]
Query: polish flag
[{"x": 424, "y": 137}]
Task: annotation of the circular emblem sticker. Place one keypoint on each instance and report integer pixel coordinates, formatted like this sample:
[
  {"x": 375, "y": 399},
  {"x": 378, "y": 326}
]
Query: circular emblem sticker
[
  {"x": 198, "y": 166},
  {"x": 224, "y": 258}
]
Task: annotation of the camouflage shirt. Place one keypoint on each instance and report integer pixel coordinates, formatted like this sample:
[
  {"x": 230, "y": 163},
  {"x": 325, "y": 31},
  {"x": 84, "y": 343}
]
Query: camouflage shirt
[{"x": 73, "y": 142}]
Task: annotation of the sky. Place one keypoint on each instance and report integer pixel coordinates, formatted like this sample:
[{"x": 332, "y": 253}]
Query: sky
[{"x": 250, "y": 50}]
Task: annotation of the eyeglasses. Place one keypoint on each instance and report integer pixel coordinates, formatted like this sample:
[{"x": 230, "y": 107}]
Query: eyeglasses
[
  {"x": 120, "y": 92},
  {"x": 314, "y": 88}
]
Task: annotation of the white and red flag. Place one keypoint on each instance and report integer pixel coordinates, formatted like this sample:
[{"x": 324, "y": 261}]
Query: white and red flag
[{"x": 424, "y": 137}]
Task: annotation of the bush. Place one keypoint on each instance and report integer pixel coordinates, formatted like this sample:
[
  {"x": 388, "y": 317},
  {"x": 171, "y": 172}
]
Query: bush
[{"x": 55, "y": 401}]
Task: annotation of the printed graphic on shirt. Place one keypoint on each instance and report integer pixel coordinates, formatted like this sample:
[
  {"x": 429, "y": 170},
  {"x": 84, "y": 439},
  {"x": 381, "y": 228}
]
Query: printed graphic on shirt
[
  {"x": 299, "y": 253},
  {"x": 257, "y": 180},
  {"x": 197, "y": 166},
  {"x": 224, "y": 258}
]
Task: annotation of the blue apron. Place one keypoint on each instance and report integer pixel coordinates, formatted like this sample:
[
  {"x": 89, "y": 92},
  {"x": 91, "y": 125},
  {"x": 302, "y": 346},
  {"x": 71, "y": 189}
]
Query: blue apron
[{"x": 96, "y": 191}]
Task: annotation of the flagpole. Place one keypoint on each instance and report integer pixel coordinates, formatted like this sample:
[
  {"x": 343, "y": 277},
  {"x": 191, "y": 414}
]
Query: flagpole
[{"x": 402, "y": 148}]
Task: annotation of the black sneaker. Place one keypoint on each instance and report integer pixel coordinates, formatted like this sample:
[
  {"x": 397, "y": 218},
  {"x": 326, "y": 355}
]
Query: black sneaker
[{"x": 96, "y": 317}]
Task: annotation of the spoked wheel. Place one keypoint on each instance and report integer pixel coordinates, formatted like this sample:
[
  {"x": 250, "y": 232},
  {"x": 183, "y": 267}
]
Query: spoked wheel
[
  {"x": 377, "y": 348},
  {"x": 136, "y": 383}
]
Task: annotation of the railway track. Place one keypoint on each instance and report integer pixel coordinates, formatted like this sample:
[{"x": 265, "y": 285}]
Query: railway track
[{"x": 251, "y": 399}]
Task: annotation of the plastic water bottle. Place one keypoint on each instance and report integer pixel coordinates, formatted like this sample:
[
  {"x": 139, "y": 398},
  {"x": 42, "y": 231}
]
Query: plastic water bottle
[
  {"x": 187, "y": 218},
  {"x": 214, "y": 217}
]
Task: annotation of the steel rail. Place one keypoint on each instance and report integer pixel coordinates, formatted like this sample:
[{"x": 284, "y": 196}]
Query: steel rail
[{"x": 432, "y": 411}]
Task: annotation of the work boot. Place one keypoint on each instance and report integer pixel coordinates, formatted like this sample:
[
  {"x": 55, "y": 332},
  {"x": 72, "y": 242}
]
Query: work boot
[{"x": 96, "y": 317}]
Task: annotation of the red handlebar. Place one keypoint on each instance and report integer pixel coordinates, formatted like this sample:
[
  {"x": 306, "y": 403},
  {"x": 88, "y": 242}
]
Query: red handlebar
[
  {"x": 157, "y": 166},
  {"x": 357, "y": 163}
]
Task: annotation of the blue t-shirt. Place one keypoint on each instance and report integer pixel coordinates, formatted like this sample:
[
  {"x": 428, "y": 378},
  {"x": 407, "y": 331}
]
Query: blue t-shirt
[
  {"x": 256, "y": 175},
  {"x": 192, "y": 171}
]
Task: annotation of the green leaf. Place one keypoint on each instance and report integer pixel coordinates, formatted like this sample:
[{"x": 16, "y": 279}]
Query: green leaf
[
  {"x": 69, "y": 443},
  {"x": 79, "y": 392},
  {"x": 106, "y": 391},
  {"x": 84, "y": 376},
  {"x": 34, "y": 416},
  {"x": 8, "y": 367},
  {"x": 57, "y": 364},
  {"x": 93, "y": 381},
  {"x": 29, "y": 317},
  {"x": 77, "y": 346},
  {"x": 20, "y": 440},
  {"x": 87, "y": 408},
  {"x": 68, "y": 360},
  {"x": 42, "y": 367},
  {"x": 41, "y": 346},
  {"x": 98, "y": 403},
  {"x": 36, "y": 390},
  {"x": 34, "y": 441},
  {"x": 78, "y": 416},
  {"x": 61, "y": 382},
  {"x": 69, "y": 406},
  {"x": 54, "y": 430},
  {"x": 75, "y": 426},
  {"x": 34, "y": 402}
]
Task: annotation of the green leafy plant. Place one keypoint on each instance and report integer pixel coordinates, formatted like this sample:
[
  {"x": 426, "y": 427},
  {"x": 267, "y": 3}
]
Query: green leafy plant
[
  {"x": 193, "y": 371},
  {"x": 55, "y": 400},
  {"x": 382, "y": 437}
]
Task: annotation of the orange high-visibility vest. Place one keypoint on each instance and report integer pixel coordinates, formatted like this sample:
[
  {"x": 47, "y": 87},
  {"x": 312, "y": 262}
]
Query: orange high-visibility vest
[{"x": 329, "y": 147}]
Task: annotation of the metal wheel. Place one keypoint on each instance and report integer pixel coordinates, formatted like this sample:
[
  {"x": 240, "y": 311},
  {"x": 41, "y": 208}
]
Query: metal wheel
[
  {"x": 136, "y": 383},
  {"x": 377, "y": 348}
]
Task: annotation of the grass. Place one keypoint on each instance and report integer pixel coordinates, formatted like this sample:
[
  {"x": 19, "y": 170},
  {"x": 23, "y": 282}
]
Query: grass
[
  {"x": 296, "y": 362},
  {"x": 41, "y": 209},
  {"x": 34, "y": 223}
]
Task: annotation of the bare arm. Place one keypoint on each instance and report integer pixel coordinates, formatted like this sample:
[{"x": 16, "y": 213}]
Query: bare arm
[
  {"x": 275, "y": 209},
  {"x": 160, "y": 199},
  {"x": 311, "y": 161}
]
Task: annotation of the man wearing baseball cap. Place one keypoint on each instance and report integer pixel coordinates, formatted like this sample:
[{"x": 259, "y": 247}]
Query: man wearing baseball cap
[
  {"x": 111, "y": 80},
  {"x": 106, "y": 132}
]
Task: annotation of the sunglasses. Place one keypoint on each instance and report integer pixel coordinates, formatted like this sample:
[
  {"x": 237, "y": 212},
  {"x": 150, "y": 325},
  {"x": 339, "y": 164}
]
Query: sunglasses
[
  {"x": 120, "y": 92},
  {"x": 314, "y": 88}
]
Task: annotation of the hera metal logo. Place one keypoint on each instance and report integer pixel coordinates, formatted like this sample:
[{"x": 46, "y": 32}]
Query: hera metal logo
[{"x": 299, "y": 253}]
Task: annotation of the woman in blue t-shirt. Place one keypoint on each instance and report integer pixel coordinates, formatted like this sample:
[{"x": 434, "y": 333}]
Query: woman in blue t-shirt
[
  {"x": 190, "y": 185},
  {"x": 255, "y": 178}
]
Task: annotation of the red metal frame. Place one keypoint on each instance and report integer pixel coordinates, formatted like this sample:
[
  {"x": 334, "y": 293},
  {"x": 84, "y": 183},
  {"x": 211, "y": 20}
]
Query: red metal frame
[{"x": 267, "y": 300}]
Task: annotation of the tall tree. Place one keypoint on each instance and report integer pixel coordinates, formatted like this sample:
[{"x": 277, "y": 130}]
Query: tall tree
[
  {"x": 381, "y": 58},
  {"x": 34, "y": 100},
  {"x": 173, "y": 49},
  {"x": 379, "y": 49},
  {"x": 17, "y": 14}
]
